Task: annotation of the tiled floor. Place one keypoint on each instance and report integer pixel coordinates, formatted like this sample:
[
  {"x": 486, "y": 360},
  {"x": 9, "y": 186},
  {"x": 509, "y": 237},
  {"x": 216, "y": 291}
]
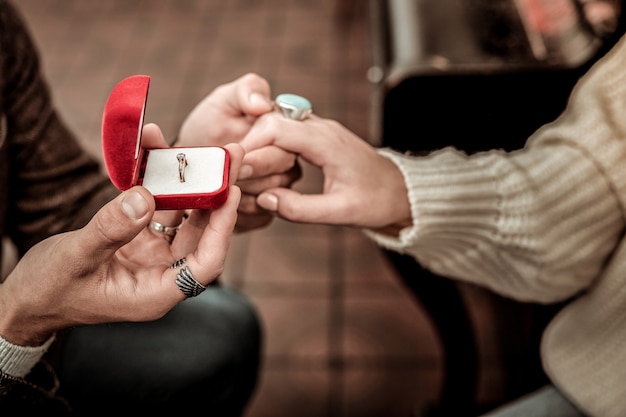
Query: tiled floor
[{"x": 343, "y": 338}]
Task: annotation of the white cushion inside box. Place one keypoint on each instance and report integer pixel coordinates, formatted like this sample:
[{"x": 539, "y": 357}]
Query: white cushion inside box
[{"x": 204, "y": 172}]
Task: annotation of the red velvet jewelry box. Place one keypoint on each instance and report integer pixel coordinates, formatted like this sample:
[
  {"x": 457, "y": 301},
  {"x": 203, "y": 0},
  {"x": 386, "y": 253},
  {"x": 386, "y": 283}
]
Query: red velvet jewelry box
[{"x": 196, "y": 180}]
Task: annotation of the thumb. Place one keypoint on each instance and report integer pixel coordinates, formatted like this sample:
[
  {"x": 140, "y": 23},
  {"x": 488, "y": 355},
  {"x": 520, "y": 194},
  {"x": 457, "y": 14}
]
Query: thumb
[
  {"x": 252, "y": 94},
  {"x": 117, "y": 223}
]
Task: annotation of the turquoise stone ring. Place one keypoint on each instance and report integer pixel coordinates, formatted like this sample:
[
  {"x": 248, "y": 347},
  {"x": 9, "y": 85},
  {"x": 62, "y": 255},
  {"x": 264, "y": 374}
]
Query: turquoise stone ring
[{"x": 294, "y": 107}]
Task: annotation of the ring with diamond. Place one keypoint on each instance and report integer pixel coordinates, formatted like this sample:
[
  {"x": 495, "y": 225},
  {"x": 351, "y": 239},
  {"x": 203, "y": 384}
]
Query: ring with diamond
[{"x": 182, "y": 164}]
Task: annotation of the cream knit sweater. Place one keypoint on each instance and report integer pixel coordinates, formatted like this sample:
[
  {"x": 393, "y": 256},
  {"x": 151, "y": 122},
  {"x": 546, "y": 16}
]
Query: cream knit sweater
[{"x": 542, "y": 224}]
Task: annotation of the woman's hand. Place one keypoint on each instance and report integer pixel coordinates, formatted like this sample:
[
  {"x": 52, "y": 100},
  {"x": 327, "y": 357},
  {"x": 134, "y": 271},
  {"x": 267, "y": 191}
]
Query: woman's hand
[{"x": 361, "y": 187}]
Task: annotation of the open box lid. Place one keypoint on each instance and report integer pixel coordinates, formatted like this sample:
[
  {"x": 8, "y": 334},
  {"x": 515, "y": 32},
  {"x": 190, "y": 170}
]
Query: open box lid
[
  {"x": 122, "y": 123},
  {"x": 201, "y": 182}
]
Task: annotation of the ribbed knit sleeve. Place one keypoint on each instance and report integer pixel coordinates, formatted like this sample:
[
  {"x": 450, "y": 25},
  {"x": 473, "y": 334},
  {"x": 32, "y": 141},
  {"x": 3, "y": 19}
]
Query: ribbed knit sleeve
[
  {"x": 17, "y": 361},
  {"x": 542, "y": 224},
  {"x": 535, "y": 225}
]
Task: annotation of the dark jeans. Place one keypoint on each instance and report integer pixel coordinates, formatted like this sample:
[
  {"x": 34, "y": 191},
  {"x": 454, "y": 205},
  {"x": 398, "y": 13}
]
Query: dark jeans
[{"x": 203, "y": 354}]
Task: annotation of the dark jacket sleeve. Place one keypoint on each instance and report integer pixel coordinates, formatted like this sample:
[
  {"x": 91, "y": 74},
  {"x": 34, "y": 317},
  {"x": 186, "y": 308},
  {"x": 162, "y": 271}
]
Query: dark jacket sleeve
[
  {"x": 53, "y": 184},
  {"x": 35, "y": 395},
  {"x": 48, "y": 185}
]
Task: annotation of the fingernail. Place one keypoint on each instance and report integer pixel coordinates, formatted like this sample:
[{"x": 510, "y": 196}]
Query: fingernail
[
  {"x": 268, "y": 201},
  {"x": 245, "y": 172},
  {"x": 134, "y": 205},
  {"x": 259, "y": 99}
]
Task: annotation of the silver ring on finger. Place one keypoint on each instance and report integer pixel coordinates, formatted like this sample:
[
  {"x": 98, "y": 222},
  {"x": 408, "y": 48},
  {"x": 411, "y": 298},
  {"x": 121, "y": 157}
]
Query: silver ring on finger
[{"x": 168, "y": 232}]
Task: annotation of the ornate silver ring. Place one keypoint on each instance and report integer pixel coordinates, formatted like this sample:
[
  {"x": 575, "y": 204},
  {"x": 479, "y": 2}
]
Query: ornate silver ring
[
  {"x": 178, "y": 263},
  {"x": 187, "y": 283}
]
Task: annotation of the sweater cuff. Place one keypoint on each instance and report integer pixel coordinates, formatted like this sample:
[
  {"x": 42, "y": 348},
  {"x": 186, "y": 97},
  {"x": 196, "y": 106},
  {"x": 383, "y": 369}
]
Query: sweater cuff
[
  {"x": 405, "y": 236},
  {"x": 17, "y": 361},
  {"x": 436, "y": 185}
]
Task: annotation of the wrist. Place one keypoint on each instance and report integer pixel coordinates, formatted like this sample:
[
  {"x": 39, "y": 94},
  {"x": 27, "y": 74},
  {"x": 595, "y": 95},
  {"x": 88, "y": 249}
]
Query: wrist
[{"x": 18, "y": 327}]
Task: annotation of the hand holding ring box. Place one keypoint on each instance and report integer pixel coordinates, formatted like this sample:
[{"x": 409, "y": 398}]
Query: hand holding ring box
[{"x": 179, "y": 178}]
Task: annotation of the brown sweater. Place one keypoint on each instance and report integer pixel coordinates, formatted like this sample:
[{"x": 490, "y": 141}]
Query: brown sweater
[{"x": 48, "y": 184}]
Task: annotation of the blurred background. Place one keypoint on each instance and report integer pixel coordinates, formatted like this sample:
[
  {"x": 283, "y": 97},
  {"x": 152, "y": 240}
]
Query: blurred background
[{"x": 344, "y": 337}]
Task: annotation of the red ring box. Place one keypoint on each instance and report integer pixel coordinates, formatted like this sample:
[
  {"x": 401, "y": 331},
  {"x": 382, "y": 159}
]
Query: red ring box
[{"x": 129, "y": 164}]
